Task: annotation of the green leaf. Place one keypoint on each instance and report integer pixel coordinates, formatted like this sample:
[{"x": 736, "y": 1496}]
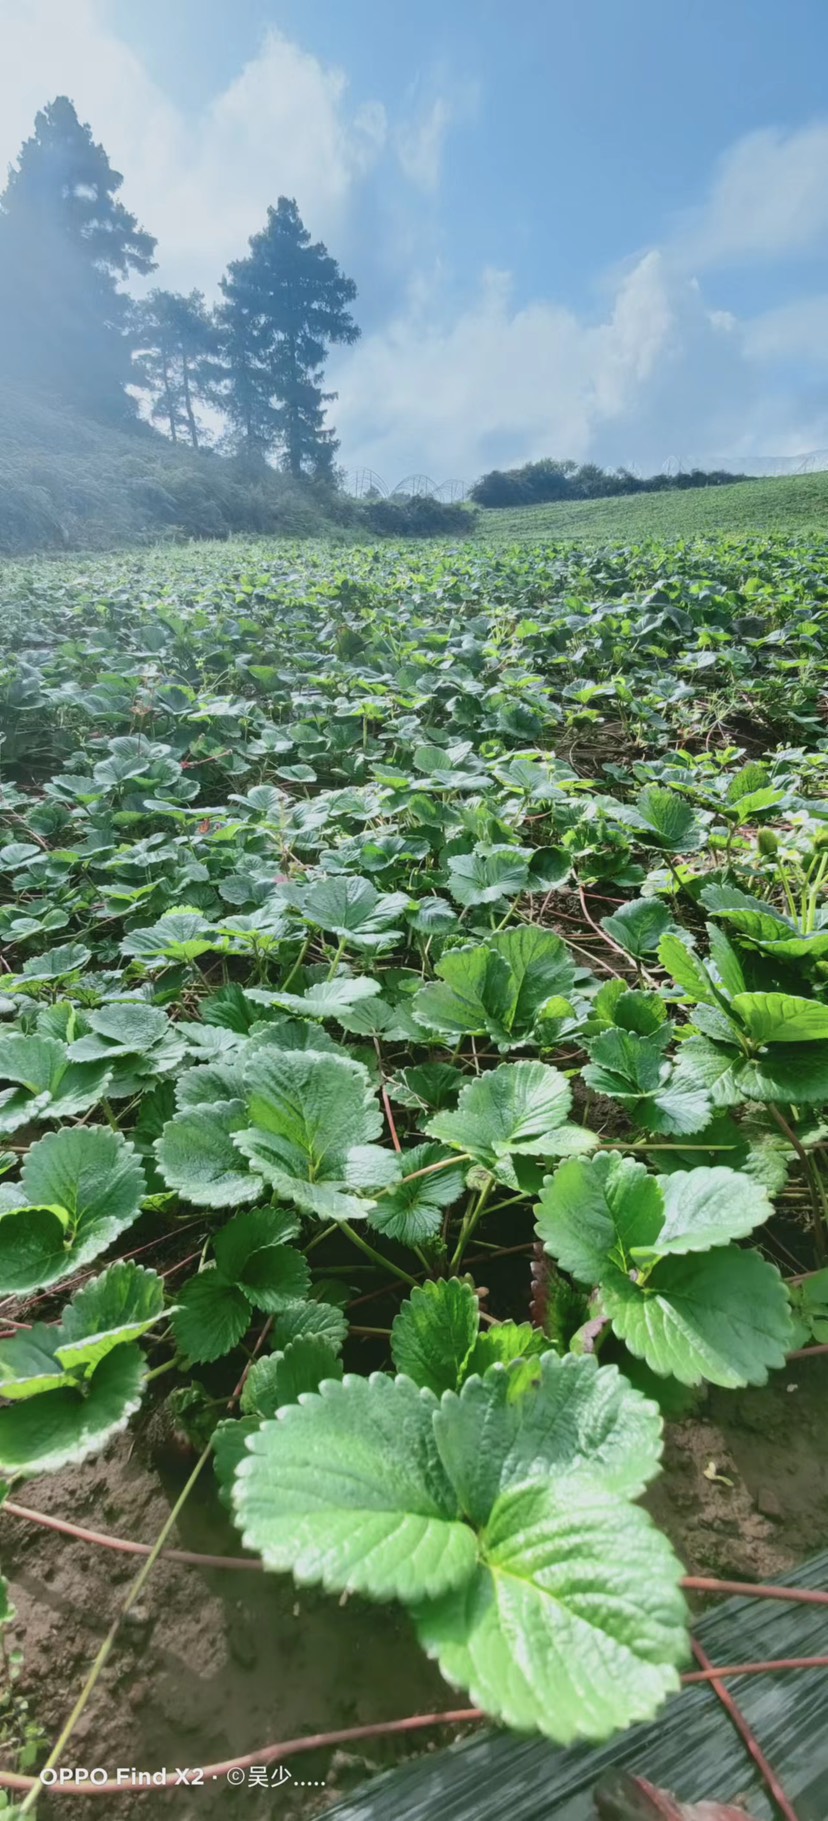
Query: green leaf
[
  {"x": 549, "y": 867},
  {"x": 707, "y": 1207},
  {"x": 127, "y": 1029},
  {"x": 352, "y": 909},
  {"x": 251, "y": 1252},
  {"x": 809, "y": 1307},
  {"x": 28, "y": 1364},
  {"x": 488, "y": 877},
  {"x": 540, "y": 968},
  {"x": 638, "y": 926},
  {"x": 713, "y": 1067},
  {"x": 197, "y": 1157},
  {"x": 573, "y": 1623},
  {"x": 721, "y": 1315},
  {"x": 313, "y": 1114},
  {"x": 608, "y": 1209},
  {"x": 789, "y": 1076},
  {"x": 7, "y": 1610},
  {"x": 32, "y": 1249},
  {"x": 678, "y": 1109},
  {"x": 312, "y": 1319},
  {"x": 687, "y": 971},
  {"x": 782, "y": 1018},
  {"x": 596, "y": 1209},
  {"x": 327, "y": 998},
  {"x": 428, "y": 1086},
  {"x": 471, "y": 997},
  {"x": 671, "y": 820},
  {"x": 347, "y": 1489},
  {"x": 574, "y": 1419},
  {"x": 180, "y": 935},
  {"x": 229, "y": 1449},
  {"x": 57, "y": 963},
  {"x": 725, "y": 960},
  {"x": 204, "y": 1086},
  {"x": 434, "y": 1333},
  {"x": 625, "y": 1065},
  {"x": 211, "y": 1318},
  {"x": 282, "y": 1378},
  {"x": 412, "y": 1212},
  {"x": 503, "y": 1344},
  {"x": 519, "y": 1107},
  {"x": 48, "y": 1086},
  {"x": 66, "y": 1425},
  {"x": 82, "y": 1188},
  {"x": 616, "y": 1004},
  {"x": 117, "y": 1307}
]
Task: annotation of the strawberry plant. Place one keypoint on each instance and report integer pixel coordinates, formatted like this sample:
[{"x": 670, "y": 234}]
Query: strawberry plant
[{"x": 366, "y": 925}]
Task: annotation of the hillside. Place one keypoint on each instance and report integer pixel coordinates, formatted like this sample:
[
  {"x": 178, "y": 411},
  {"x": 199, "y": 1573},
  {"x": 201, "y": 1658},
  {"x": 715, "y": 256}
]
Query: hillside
[
  {"x": 68, "y": 483},
  {"x": 797, "y": 504}
]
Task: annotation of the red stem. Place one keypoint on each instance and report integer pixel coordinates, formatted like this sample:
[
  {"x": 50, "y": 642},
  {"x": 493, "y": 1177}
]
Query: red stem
[
  {"x": 765, "y": 1769},
  {"x": 123, "y": 1545},
  {"x": 755, "y": 1669},
  {"x": 463, "y": 1716},
  {"x": 805, "y": 1596},
  {"x": 386, "y": 1102},
  {"x": 599, "y": 931},
  {"x": 694, "y": 1583},
  {"x": 268, "y": 1754},
  {"x": 390, "y": 1117}
]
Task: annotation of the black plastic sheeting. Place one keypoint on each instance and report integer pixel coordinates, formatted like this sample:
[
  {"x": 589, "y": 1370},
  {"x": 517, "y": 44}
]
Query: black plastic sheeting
[{"x": 693, "y": 1748}]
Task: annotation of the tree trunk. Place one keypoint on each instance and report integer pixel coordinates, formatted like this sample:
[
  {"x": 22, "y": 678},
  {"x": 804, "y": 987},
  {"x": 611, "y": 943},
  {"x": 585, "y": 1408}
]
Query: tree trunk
[
  {"x": 169, "y": 401},
  {"x": 188, "y": 403}
]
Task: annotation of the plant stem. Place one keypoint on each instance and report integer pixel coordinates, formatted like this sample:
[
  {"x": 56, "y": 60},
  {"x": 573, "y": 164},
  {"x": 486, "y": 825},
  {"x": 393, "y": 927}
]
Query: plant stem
[
  {"x": 787, "y": 890},
  {"x": 815, "y": 1184},
  {"x": 336, "y": 960},
  {"x": 158, "y": 1371},
  {"x": 430, "y": 1170},
  {"x": 318, "y": 1237},
  {"x": 105, "y": 1651},
  {"x": 385, "y": 1264},
  {"x": 296, "y": 965},
  {"x": 470, "y": 1222}
]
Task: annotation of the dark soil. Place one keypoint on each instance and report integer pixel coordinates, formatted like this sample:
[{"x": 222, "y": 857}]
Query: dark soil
[{"x": 214, "y": 1664}]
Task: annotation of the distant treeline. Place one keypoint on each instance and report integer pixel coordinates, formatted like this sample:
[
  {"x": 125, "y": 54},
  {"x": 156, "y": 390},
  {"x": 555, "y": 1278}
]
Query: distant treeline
[{"x": 536, "y": 483}]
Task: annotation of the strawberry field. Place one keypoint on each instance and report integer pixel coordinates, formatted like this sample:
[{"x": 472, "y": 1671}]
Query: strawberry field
[{"x": 413, "y": 1086}]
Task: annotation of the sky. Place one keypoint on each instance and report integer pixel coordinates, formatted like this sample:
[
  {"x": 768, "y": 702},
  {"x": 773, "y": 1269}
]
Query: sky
[{"x": 595, "y": 231}]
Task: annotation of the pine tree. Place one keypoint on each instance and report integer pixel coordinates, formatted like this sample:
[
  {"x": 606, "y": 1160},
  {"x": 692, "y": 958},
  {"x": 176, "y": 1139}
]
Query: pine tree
[
  {"x": 65, "y": 242},
  {"x": 284, "y": 305},
  {"x": 177, "y": 358}
]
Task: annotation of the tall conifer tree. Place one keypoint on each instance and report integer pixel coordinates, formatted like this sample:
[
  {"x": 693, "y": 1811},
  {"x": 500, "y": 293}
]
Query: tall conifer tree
[
  {"x": 284, "y": 306},
  {"x": 65, "y": 242}
]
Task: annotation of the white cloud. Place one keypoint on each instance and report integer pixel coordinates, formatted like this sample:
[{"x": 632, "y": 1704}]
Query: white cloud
[
  {"x": 454, "y": 389},
  {"x": 497, "y": 385},
  {"x": 432, "y": 110},
  {"x": 201, "y": 184},
  {"x": 769, "y": 198},
  {"x": 420, "y": 144}
]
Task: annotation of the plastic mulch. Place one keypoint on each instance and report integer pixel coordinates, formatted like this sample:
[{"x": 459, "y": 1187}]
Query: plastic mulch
[{"x": 693, "y": 1749}]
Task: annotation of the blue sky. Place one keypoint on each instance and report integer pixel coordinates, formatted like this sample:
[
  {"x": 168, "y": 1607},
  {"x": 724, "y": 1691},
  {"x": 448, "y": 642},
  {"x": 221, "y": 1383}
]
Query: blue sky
[{"x": 596, "y": 230}]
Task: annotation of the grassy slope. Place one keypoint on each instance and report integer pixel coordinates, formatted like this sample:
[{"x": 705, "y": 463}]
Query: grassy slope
[
  {"x": 68, "y": 483},
  {"x": 798, "y": 504}
]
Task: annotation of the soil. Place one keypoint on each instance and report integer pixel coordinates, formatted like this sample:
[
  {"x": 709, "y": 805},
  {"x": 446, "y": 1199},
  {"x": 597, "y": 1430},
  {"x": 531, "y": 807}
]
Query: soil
[{"x": 213, "y": 1664}]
